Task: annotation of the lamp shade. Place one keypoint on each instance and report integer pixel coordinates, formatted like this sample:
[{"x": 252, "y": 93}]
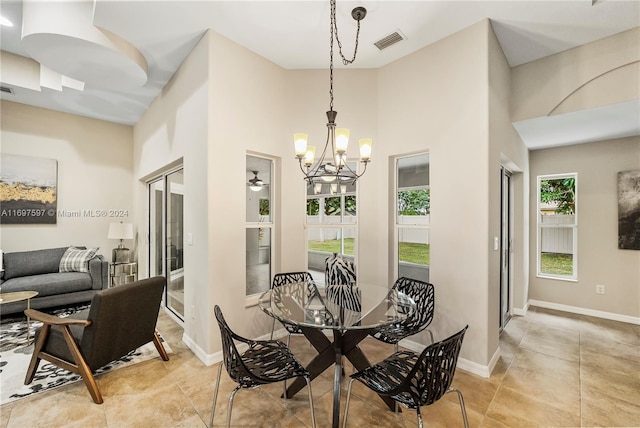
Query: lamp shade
[{"x": 120, "y": 231}]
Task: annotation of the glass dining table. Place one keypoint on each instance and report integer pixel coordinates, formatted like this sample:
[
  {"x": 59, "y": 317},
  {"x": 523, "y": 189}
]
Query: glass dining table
[{"x": 350, "y": 312}]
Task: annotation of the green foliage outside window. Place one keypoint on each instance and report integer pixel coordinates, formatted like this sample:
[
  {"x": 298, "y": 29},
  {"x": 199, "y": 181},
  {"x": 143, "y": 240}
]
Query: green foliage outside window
[
  {"x": 561, "y": 192},
  {"x": 414, "y": 202},
  {"x": 332, "y": 205},
  {"x": 313, "y": 206},
  {"x": 264, "y": 207}
]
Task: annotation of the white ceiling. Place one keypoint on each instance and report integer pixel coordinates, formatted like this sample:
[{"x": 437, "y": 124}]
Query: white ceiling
[{"x": 295, "y": 35}]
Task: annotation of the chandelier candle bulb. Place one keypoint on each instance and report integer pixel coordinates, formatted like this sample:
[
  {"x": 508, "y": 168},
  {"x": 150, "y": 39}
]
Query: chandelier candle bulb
[
  {"x": 365, "y": 148},
  {"x": 300, "y": 143},
  {"x": 342, "y": 140},
  {"x": 310, "y": 155}
]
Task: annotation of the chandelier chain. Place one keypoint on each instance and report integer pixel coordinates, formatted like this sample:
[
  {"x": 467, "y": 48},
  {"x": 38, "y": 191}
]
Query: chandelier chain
[
  {"x": 333, "y": 31},
  {"x": 334, "y": 24},
  {"x": 333, "y": 11}
]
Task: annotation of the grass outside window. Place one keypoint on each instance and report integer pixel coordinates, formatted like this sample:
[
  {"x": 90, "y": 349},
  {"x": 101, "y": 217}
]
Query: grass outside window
[
  {"x": 410, "y": 252},
  {"x": 556, "y": 264}
]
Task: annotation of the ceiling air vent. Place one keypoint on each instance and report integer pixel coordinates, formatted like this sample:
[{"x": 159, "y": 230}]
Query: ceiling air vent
[
  {"x": 6, "y": 90},
  {"x": 389, "y": 40}
]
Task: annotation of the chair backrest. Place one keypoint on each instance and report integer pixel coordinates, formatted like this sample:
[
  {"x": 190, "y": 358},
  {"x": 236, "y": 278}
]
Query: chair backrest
[
  {"x": 231, "y": 356},
  {"x": 339, "y": 271},
  {"x": 291, "y": 278},
  {"x": 423, "y": 294},
  {"x": 123, "y": 318},
  {"x": 347, "y": 296},
  {"x": 433, "y": 373}
]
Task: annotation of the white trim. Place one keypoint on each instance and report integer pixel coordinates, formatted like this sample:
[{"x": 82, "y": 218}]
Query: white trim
[
  {"x": 463, "y": 364},
  {"x": 207, "y": 359},
  {"x": 475, "y": 368},
  {"x": 210, "y": 359},
  {"x": 172, "y": 315},
  {"x": 585, "y": 311},
  {"x": 521, "y": 312}
]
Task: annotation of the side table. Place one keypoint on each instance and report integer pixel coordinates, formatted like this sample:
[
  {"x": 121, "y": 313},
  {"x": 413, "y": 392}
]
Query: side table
[
  {"x": 123, "y": 273},
  {"x": 17, "y": 297}
]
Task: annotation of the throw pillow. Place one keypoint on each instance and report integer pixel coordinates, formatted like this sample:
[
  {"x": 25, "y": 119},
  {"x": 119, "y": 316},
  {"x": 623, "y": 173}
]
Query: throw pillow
[{"x": 77, "y": 260}]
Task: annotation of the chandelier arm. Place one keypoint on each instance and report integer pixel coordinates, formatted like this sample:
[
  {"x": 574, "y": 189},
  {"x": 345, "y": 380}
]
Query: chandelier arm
[
  {"x": 305, "y": 172},
  {"x": 364, "y": 170}
]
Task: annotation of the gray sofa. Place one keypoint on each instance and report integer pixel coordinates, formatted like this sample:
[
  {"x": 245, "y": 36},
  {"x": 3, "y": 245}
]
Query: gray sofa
[{"x": 39, "y": 270}]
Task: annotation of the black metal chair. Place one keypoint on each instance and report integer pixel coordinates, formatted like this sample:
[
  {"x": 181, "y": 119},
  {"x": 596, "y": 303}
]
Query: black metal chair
[
  {"x": 346, "y": 296},
  {"x": 292, "y": 278},
  {"x": 423, "y": 294},
  {"x": 266, "y": 361},
  {"x": 415, "y": 380},
  {"x": 338, "y": 271}
]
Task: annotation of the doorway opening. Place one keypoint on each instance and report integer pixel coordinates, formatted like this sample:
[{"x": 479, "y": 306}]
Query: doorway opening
[
  {"x": 166, "y": 236},
  {"x": 506, "y": 230}
]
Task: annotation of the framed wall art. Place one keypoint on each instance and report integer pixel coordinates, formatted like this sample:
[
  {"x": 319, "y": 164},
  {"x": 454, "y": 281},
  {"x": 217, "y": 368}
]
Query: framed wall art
[
  {"x": 28, "y": 190},
  {"x": 629, "y": 210}
]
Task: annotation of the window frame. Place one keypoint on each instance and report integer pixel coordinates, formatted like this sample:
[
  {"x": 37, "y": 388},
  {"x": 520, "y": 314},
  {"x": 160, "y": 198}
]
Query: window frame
[
  {"x": 572, "y": 226},
  {"x": 398, "y": 227},
  {"x": 341, "y": 226},
  {"x": 252, "y": 299}
]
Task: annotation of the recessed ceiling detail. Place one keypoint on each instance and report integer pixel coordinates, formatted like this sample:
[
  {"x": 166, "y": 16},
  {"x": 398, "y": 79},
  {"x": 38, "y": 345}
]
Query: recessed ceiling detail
[{"x": 62, "y": 37}]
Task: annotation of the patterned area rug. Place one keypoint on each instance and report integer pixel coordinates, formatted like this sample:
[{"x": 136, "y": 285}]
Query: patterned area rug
[{"x": 15, "y": 355}]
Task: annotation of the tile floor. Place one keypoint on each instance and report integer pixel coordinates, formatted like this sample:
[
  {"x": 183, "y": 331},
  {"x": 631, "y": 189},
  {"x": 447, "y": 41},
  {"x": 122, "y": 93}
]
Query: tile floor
[{"x": 557, "y": 369}]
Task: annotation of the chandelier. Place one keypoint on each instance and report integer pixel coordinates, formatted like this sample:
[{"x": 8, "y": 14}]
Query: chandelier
[{"x": 332, "y": 166}]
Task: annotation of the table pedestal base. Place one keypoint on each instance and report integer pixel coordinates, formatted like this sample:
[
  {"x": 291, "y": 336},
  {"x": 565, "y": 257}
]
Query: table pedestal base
[{"x": 345, "y": 343}]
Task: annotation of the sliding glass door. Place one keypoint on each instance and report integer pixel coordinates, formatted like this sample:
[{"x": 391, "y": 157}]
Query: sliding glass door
[{"x": 166, "y": 236}]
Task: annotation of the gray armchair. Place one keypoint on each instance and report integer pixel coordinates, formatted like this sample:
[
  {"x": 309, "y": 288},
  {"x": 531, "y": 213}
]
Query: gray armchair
[{"x": 119, "y": 320}]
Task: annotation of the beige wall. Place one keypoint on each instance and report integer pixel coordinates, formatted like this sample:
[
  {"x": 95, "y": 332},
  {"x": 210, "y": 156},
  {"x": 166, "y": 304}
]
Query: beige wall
[
  {"x": 437, "y": 100},
  {"x": 599, "y": 259},
  {"x": 247, "y": 113},
  {"x": 590, "y": 76},
  {"x": 174, "y": 131},
  {"x": 507, "y": 150},
  {"x": 94, "y": 173},
  {"x": 356, "y": 101},
  {"x": 223, "y": 102},
  {"x": 541, "y": 87}
]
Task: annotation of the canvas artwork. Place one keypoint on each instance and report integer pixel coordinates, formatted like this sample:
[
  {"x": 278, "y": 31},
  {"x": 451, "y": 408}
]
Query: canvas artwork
[
  {"x": 28, "y": 193},
  {"x": 629, "y": 210}
]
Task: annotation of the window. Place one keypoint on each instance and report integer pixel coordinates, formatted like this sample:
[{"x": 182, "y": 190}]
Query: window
[
  {"x": 331, "y": 224},
  {"x": 259, "y": 224},
  {"x": 557, "y": 226},
  {"x": 413, "y": 205}
]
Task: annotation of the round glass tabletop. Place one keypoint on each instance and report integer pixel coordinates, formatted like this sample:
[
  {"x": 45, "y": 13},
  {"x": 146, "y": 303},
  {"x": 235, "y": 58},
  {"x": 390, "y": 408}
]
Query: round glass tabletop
[{"x": 337, "y": 307}]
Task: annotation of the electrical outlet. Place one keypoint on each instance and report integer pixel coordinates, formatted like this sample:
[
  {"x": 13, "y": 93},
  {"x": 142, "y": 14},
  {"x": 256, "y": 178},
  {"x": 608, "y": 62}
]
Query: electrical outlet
[
  {"x": 193, "y": 312},
  {"x": 600, "y": 289}
]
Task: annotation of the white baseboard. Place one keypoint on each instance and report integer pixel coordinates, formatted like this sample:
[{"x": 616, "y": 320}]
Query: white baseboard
[
  {"x": 210, "y": 359},
  {"x": 521, "y": 312},
  {"x": 207, "y": 359},
  {"x": 463, "y": 364},
  {"x": 584, "y": 311}
]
